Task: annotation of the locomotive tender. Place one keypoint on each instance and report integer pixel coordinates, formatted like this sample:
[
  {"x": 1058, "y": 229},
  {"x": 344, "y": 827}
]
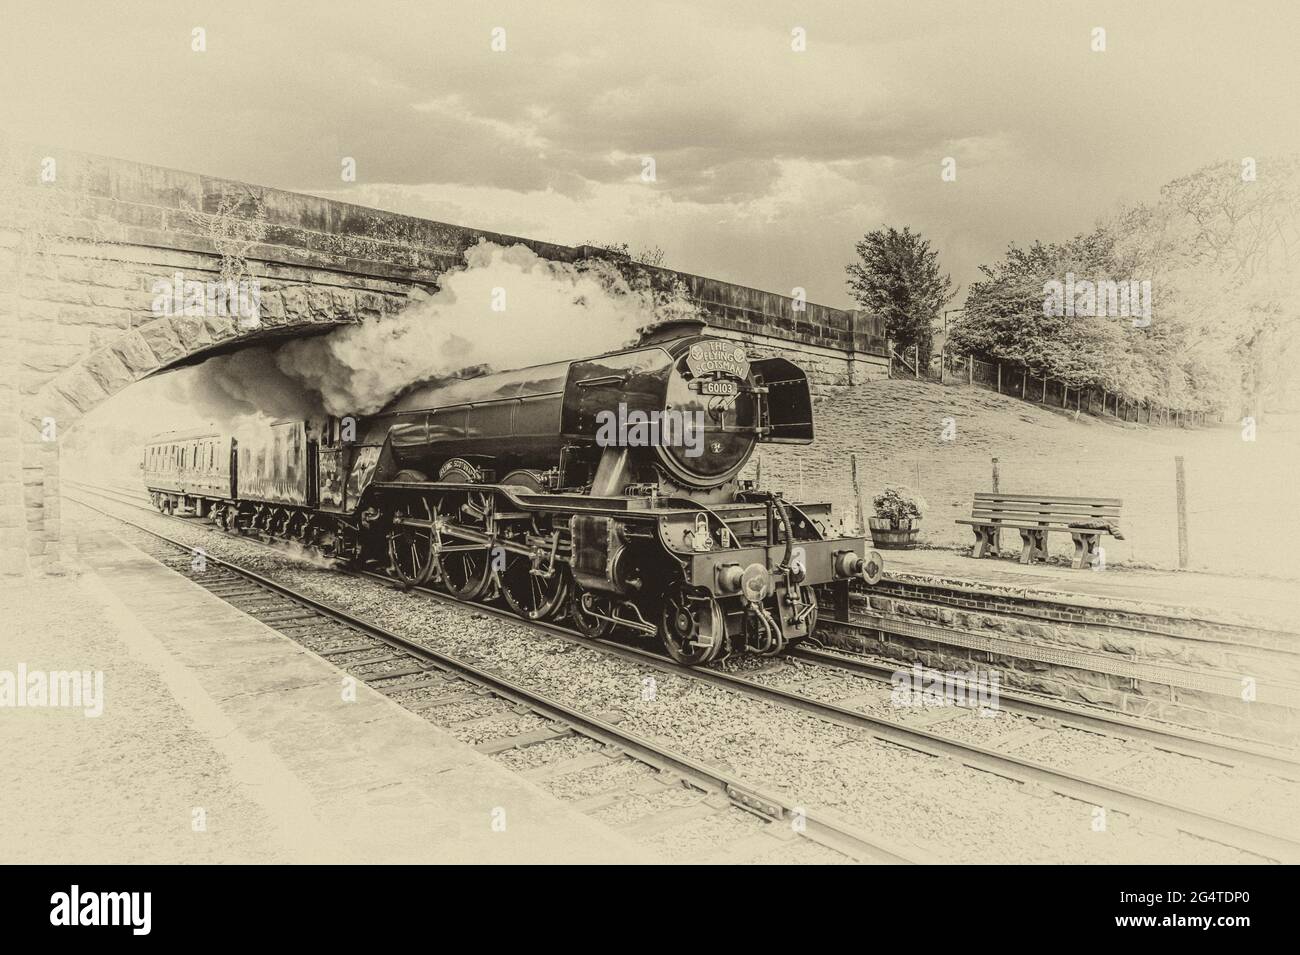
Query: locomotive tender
[{"x": 509, "y": 484}]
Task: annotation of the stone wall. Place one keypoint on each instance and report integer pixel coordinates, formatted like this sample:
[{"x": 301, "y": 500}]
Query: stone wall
[{"x": 1186, "y": 672}]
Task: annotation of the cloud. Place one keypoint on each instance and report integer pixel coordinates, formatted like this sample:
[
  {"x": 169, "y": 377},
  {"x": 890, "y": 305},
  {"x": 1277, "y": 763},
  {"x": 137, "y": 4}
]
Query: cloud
[{"x": 769, "y": 162}]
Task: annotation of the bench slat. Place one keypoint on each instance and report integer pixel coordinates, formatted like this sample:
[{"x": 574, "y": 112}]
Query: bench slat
[
  {"x": 1043, "y": 516},
  {"x": 1016, "y": 525},
  {"x": 1002, "y": 496},
  {"x": 1060, "y": 509}
]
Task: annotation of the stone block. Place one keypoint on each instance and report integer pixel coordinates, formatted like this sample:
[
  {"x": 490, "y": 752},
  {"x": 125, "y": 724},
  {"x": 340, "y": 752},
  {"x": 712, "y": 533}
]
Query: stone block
[
  {"x": 296, "y": 305},
  {"x": 135, "y": 300},
  {"x": 81, "y": 389},
  {"x": 107, "y": 368},
  {"x": 50, "y": 358},
  {"x": 219, "y": 327},
  {"x": 163, "y": 341},
  {"x": 271, "y": 305},
  {"x": 135, "y": 353},
  {"x": 192, "y": 331},
  {"x": 321, "y": 303}
]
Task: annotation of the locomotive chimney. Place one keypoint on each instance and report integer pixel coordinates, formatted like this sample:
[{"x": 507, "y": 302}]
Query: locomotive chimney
[{"x": 672, "y": 329}]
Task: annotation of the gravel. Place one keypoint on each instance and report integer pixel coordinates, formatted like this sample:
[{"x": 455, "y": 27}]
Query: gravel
[
  {"x": 501, "y": 727},
  {"x": 643, "y": 805},
  {"x": 548, "y": 752},
  {"x": 451, "y": 713},
  {"x": 1220, "y": 789},
  {"x": 702, "y": 836},
  {"x": 620, "y": 775},
  {"x": 1073, "y": 748},
  {"x": 427, "y": 693},
  {"x": 800, "y": 852}
]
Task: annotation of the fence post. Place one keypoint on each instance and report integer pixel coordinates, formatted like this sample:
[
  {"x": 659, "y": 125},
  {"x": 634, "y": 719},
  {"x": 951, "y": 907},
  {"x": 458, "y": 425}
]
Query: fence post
[
  {"x": 997, "y": 532},
  {"x": 857, "y": 495},
  {"x": 1024, "y": 386},
  {"x": 999, "y": 377},
  {"x": 1044, "y": 396},
  {"x": 1180, "y": 478},
  {"x": 970, "y": 369}
]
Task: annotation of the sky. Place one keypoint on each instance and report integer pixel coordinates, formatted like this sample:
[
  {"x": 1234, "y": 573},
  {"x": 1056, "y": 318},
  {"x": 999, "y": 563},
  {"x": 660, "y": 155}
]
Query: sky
[{"x": 770, "y": 162}]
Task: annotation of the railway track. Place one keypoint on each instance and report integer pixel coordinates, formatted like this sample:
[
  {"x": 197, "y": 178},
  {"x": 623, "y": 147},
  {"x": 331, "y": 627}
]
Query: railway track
[
  {"x": 400, "y": 668},
  {"x": 1166, "y": 737},
  {"x": 1089, "y": 787}
]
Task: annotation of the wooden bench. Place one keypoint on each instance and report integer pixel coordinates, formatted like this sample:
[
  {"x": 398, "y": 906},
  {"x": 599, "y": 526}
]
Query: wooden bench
[{"x": 1036, "y": 516}]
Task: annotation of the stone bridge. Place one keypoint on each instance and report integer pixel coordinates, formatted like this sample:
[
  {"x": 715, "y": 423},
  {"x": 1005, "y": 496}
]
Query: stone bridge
[{"x": 84, "y": 239}]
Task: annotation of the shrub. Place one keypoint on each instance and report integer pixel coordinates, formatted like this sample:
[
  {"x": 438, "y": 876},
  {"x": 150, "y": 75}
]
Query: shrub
[{"x": 897, "y": 504}]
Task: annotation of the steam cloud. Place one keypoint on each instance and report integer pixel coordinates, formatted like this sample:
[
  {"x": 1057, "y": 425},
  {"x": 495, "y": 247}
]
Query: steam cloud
[{"x": 545, "y": 311}]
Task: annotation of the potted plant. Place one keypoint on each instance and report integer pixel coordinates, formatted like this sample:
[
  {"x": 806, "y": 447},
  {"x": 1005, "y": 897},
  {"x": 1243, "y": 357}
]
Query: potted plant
[{"x": 898, "y": 517}]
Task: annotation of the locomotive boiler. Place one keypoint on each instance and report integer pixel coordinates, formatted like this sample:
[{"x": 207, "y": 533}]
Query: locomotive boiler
[{"x": 605, "y": 491}]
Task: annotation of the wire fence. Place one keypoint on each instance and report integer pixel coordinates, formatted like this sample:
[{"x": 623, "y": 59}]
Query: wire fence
[
  {"x": 947, "y": 367},
  {"x": 1239, "y": 513}
]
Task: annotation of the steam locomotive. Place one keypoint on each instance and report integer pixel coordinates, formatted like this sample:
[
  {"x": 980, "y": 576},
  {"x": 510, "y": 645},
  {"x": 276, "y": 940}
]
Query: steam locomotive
[{"x": 604, "y": 490}]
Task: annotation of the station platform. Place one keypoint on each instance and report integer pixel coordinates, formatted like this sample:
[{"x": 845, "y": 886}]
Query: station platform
[
  {"x": 222, "y": 741},
  {"x": 1223, "y": 598}
]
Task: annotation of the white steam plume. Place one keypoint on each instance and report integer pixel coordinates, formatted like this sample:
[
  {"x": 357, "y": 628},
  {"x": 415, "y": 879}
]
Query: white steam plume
[{"x": 508, "y": 308}]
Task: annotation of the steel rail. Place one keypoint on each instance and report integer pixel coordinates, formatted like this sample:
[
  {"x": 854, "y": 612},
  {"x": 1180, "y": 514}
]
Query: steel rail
[{"x": 823, "y": 828}]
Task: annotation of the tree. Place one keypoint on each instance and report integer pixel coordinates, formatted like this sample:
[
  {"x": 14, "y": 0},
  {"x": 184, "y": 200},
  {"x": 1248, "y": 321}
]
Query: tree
[
  {"x": 1224, "y": 244},
  {"x": 1221, "y": 253},
  {"x": 898, "y": 278},
  {"x": 1007, "y": 318}
]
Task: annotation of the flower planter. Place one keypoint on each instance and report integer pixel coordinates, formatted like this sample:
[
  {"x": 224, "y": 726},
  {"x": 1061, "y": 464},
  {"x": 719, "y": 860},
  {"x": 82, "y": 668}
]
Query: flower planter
[{"x": 890, "y": 536}]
